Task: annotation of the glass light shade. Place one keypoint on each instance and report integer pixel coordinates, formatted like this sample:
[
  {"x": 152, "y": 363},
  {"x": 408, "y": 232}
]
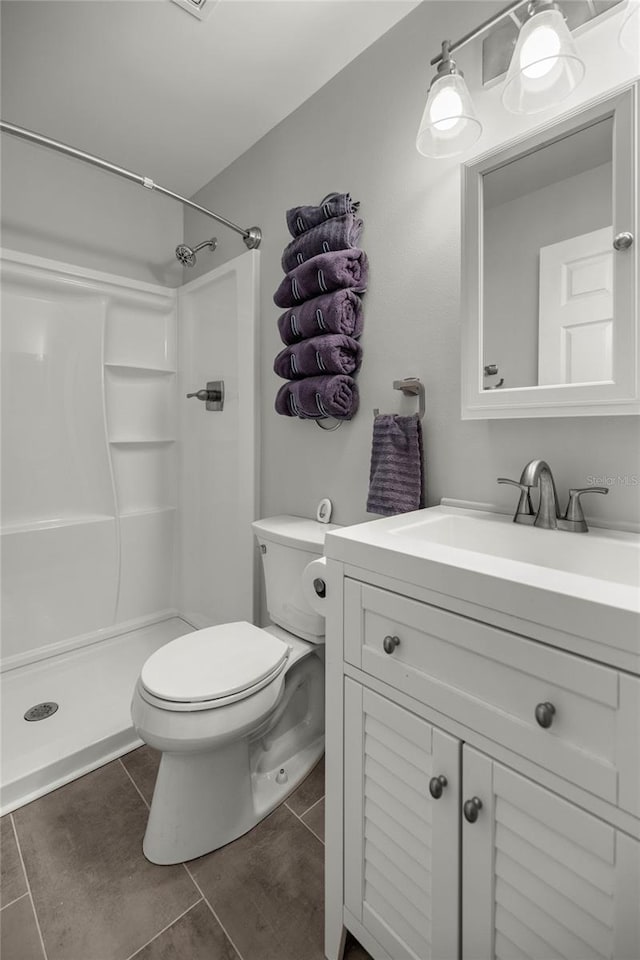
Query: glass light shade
[
  {"x": 545, "y": 67},
  {"x": 449, "y": 123},
  {"x": 630, "y": 30}
]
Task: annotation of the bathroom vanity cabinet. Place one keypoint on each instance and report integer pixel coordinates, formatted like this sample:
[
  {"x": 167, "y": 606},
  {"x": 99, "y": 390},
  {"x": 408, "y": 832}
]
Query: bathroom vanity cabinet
[{"x": 483, "y": 783}]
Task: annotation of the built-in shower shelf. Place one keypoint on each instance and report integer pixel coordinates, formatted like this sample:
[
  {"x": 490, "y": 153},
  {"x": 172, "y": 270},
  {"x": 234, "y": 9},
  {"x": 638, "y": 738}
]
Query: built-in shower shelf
[
  {"x": 31, "y": 526},
  {"x": 140, "y": 404},
  {"x": 129, "y": 441},
  {"x": 147, "y": 511},
  {"x": 138, "y": 370}
]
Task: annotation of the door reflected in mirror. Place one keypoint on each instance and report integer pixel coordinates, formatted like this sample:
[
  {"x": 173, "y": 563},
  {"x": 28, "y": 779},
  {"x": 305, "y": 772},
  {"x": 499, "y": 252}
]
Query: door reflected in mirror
[
  {"x": 549, "y": 265},
  {"x": 548, "y": 297}
]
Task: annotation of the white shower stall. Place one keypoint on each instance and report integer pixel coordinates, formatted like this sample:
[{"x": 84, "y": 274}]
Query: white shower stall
[{"x": 126, "y": 508}]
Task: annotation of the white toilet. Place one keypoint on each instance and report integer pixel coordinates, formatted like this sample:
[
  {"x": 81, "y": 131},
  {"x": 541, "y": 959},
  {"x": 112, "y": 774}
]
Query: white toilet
[{"x": 237, "y": 711}]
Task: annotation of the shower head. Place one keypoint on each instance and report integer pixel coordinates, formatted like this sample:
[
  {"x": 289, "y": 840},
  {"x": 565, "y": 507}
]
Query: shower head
[{"x": 187, "y": 255}]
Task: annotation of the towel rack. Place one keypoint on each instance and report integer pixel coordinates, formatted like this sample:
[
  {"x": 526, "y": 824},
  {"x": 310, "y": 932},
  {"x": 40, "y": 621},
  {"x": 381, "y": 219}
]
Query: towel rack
[
  {"x": 338, "y": 423},
  {"x": 335, "y": 426},
  {"x": 411, "y": 387}
]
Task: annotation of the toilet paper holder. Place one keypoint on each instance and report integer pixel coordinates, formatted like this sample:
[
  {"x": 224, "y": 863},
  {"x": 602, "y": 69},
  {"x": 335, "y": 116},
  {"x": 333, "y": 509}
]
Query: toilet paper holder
[{"x": 314, "y": 586}]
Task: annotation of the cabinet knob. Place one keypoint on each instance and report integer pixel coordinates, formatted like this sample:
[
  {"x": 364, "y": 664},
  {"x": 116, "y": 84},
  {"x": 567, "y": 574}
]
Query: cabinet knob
[
  {"x": 545, "y": 713},
  {"x": 437, "y": 785},
  {"x": 472, "y": 808},
  {"x": 390, "y": 643}
]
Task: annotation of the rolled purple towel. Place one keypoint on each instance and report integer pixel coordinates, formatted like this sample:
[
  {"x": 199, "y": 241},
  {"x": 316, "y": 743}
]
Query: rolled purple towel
[
  {"x": 396, "y": 480},
  {"x": 337, "y": 312},
  {"x": 315, "y": 398},
  {"x": 322, "y": 274},
  {"x": 300, "y": 219},
  {"x": 338, "y": 233},
  {"x": 331, "y": 353}
]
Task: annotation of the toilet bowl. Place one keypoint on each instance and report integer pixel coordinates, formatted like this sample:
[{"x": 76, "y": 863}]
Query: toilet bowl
[{"x": 237, "y": 711}]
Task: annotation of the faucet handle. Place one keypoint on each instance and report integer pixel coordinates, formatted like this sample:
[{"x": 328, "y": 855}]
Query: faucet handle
[
  {"x": 574, "y": 512},
  {"x": 525, "y": 507}
]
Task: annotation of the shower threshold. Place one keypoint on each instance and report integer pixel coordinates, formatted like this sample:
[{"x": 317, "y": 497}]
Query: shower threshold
[{"x": 93, "y": 688}]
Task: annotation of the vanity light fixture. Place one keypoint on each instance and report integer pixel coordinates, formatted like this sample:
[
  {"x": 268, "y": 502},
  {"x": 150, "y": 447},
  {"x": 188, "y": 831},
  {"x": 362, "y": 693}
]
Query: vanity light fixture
[
  {"x": 449, "y": 123},
  {"x": 545, "y": 67}
]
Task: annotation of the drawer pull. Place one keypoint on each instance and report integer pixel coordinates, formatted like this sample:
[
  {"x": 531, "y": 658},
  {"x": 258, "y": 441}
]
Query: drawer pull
[
  {"x": 437, "y": 785},
  {"x": 390, "y": 643},
  {"x": 471, "y": 809},
  {"x": 545, "y": 713}
]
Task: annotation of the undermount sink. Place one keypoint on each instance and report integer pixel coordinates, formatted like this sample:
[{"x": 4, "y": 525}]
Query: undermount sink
[{"x": 603, "y": 555}]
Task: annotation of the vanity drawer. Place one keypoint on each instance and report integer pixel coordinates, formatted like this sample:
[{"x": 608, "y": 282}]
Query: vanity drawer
[{"x": 492, "y": 681}]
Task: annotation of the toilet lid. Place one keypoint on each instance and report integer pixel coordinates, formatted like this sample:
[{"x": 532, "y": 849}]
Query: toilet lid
[{"x": 213, "y": 663}]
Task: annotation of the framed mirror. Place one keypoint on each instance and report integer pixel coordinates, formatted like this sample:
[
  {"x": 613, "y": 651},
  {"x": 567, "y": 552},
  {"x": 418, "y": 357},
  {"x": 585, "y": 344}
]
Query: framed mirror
[{"x": 549, "y": 269}]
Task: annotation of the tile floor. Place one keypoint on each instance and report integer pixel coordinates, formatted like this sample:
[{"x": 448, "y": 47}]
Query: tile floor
[{"x": 76, "y": 886}]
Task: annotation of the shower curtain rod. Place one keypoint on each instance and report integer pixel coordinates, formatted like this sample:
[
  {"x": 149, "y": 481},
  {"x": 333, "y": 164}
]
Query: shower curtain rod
[{"x": 251, "y": 237}]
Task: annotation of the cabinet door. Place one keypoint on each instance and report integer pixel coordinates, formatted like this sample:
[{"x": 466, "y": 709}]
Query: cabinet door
[
  {"x": 401, "y": 844},
  {"x": 541, "y": 877}
]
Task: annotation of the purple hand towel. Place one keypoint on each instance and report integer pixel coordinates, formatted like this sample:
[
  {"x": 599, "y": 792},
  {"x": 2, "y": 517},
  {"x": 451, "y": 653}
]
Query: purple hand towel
[
  {"x": 396, "y": 482},
  {"x": 315, "y": 398},
  {"x": 337, "y": 312},
  {"x": 300, "y": 219},
  {"x": 331, "y": 353},
  {"x": 322, "y": 274},
  {"x": 339, "y": 233}
]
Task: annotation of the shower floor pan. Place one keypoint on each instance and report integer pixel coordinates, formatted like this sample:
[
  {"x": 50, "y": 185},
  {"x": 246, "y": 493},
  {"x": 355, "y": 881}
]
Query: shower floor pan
[{"x": 92, "y": 687}]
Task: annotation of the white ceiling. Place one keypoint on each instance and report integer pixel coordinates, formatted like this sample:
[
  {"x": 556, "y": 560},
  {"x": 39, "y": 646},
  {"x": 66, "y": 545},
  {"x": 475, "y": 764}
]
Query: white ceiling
[{"x": 144, "y": 84}]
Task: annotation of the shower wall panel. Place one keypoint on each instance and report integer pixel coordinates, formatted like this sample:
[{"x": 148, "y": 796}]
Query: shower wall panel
[
  {"x": 88, "y": 456},
  {"x": 147, "y": 556},
  {"x": 219, "y": 450},
  {"x": 59, "y": 581},
  {"x": 55, "y": 462}
]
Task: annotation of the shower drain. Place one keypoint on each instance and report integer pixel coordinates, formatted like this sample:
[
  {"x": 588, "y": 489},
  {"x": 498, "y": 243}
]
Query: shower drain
[{"x": 41, "y": 711}]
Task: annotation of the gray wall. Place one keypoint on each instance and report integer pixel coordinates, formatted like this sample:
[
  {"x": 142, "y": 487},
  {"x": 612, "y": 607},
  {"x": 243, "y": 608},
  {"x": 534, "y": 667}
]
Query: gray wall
[
  {"x": 514, "y": 233},
  {"x": 56, "y": 207},
  {"x": 357, "y": 134}
]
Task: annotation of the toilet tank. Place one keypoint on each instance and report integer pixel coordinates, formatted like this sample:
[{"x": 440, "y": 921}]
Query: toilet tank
[{"x": 287, "y": 545}]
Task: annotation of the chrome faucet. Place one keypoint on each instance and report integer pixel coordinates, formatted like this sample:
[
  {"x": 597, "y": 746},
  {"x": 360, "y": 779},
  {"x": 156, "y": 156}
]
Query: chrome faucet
[{"x": 537, "y": 473}]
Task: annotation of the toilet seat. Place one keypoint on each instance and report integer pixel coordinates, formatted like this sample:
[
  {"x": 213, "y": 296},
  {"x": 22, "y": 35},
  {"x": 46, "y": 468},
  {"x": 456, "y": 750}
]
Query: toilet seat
[{"x": 213, "y": 667}]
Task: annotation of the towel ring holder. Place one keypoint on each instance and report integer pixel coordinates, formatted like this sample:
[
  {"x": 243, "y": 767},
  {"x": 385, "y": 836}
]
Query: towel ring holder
[
  {"x": 411, "y": 387},
  {"x": 337, "y": 424}
]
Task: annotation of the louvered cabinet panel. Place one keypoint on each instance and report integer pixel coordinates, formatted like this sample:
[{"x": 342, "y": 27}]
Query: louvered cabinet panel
[
  {"x": 541, "y": 877},
  {"x": 401, "y": 845}
]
